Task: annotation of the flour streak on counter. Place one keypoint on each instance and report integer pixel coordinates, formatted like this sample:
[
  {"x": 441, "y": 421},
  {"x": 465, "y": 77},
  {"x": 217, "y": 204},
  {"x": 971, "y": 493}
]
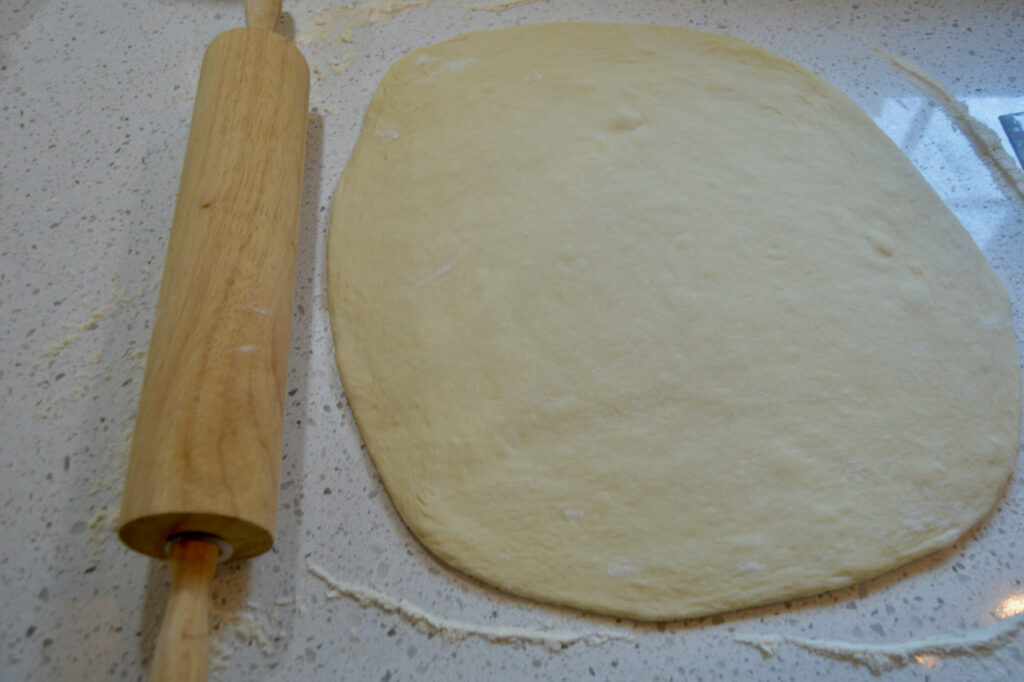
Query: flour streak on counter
[
  {"x": 91, "y": 163},
  {"x": 879, "y": 658},
  {"x": 453, "y": 630},
  {"x": 351, "y": 17},
  {"x": 247, "y": 626},
  {"x": 500, "y": 6},
  {"x": 340, "y": 22},
  {"x": 983, "y": 141}
]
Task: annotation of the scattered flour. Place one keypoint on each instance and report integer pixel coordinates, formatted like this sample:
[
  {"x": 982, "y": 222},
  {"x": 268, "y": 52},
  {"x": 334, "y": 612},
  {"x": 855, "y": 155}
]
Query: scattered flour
[
  {"x": 621, "y": 568},
  {"x": 499, "y": 6},
  {"x": 879, "y": 658},
  {"x": 343, "y": 20},
  {"x": 239, "y": 627},
  {"x": 453, "y": 630},
  {"x": 72, "y": 334},
  {"x": 325, "y": 22},
  {"x": 336, "y": 27},
  {"x": 102, "y": 527},
  {"x": 344, "y": 62}
]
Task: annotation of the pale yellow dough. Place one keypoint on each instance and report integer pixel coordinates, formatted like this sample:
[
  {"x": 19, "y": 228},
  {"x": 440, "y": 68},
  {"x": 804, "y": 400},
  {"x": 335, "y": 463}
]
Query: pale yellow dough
[{"x": 655, "y": 323}]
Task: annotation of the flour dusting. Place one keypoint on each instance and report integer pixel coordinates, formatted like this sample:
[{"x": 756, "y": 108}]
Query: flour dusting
[
  {"x": 343, "y": 20},
  {"x": 453, "y": 630},
  {"x": 621, "y": 567},
  {"x": 443, "y": 270},
  {"x": 325, "y": 22},
  {"x": 499, "y": 6},
  {"x": 879, "y": 658},
  {"x": 246, "y": 626}
]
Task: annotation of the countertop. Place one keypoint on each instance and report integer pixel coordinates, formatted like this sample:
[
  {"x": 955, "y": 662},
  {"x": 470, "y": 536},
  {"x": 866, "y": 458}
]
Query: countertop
[{"x": 94, "y": 113}]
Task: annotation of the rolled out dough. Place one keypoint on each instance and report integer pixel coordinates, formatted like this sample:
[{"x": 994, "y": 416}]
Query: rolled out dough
[{"x": 655, "y": 323}]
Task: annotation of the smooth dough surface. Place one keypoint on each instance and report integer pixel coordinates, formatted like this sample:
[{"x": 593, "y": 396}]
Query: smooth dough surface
[{"x": 656, "y": 323}]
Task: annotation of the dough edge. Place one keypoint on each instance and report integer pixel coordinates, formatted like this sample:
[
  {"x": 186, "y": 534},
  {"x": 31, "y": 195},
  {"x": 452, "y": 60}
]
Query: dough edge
[{"x": 424, "y": 532}]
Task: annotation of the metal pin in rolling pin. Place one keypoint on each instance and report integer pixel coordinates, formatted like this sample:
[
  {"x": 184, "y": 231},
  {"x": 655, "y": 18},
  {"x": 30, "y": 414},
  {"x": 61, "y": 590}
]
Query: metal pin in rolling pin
[{"x": 202, "y": 480}]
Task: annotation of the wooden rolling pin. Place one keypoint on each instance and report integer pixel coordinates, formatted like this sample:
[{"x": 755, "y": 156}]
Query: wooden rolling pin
[{"x": 202, "y": 481}]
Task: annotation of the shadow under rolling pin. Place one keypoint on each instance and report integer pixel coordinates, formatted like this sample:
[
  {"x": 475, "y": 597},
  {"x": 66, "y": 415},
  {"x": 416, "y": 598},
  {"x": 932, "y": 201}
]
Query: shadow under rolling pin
[{"x": 202, "y": 480}]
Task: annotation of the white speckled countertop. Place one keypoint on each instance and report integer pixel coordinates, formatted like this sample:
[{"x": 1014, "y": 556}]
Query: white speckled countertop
[{"x": 95, "y": 100}]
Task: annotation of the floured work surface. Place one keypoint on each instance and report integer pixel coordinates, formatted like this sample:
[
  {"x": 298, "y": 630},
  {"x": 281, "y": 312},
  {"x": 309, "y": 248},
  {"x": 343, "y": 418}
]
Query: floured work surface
[{"x": 657, "y": 324}]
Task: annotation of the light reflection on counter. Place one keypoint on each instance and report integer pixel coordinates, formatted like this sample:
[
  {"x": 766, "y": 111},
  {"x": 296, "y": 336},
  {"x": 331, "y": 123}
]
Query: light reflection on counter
[
  {"x": 929, "y": 661},
  {"x": 1011, "y": 606},
  {"x": 923, "y": 131}
]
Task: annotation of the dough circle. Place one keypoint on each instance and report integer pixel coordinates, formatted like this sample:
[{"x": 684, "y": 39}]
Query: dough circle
[{"x": 655, "y": 323}]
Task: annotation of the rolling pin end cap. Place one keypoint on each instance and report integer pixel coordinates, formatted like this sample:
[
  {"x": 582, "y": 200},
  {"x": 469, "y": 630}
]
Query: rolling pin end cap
[{"x": 237, "y": 538}]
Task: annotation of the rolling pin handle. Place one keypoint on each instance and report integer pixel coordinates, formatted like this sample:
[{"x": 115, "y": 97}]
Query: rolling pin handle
[
  {"x": 262, "y": 14},
  {"x": 183, "y": 646}
]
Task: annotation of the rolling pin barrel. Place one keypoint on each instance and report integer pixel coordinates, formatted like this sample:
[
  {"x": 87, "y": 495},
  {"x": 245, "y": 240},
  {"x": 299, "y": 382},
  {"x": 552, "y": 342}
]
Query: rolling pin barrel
[{"x": 205, "y": 456}]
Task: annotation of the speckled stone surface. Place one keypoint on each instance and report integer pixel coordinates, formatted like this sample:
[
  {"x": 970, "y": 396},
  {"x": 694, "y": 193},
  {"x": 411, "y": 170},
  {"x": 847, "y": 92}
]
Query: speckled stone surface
[{"x": 95, "y": 101}]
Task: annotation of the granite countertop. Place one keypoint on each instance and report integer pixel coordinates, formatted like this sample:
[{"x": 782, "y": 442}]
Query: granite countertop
[{"x": 96, "y": 100}]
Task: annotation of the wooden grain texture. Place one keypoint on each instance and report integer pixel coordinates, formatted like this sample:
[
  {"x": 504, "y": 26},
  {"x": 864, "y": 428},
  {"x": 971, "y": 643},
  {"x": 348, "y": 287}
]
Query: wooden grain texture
[
  {"x": 183, "y": 647},
  {"x": 262, "y": 14},
  {"x": 205, "y": 456}
]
